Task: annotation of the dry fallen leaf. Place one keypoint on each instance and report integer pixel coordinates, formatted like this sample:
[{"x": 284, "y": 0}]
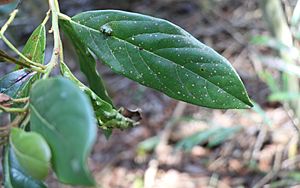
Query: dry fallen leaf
[
  {"x": 5, "y": 1},
  {"x": 4, "y": 98}
]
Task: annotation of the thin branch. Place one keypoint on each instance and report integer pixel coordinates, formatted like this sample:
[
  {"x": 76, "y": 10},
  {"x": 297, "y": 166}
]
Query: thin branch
[
  {"x": 12, "y": 47},
  {"x": 54, "y": 7},
  {"x": 14, "y": 110},
  {"x": 20, "y": 100},
  {"x": 9, "y": 21}
]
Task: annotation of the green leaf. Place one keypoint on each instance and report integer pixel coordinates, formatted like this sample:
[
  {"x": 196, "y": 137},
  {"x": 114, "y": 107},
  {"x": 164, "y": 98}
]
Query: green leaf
[
  {"x": 14, "y": 175},
  {"x": 296, "y": 15},
  {"x": 63, "y": 115},
  {"x": 148, "y": 144},
  {"x": 262, "y": 40},
  {"x": 34, "y": 48},
  {"x": 32, "y": 152},
  {"x": 221, "y": 136},
  {"x": 284, "y": 96},
  {"x": 12, "y": 83},
  {"x": 108, "y": 118},
  {"x": 213, "y": 136},
  {"x": 87, "y": 64},
  {"x": 159, "y": 54}
]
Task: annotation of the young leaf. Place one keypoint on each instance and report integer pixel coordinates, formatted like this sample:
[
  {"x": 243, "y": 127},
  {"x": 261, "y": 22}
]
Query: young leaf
[
  {"x": 12, "y": 83},
  {"x": 87, "y": 64},
  {"x": 108, "y": 118},
  {"x": 32, "y": 152},
  {"x": 14, "y": 175},
  {"x": 64, "y": 117},
  {"x": 161, "y": 55},
  {"x": 34, "y": 48}
]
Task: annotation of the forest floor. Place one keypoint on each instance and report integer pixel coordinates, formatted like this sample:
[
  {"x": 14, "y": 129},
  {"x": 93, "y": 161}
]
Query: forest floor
[{"x": 262, "y": 149}]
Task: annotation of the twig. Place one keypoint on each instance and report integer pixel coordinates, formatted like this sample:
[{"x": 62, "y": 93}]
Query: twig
[
  {"x": 9, "y": 21},
  {"x": 53, "y": 4},
  {"x": 259, "y": 141},
  {"x": 164, "y": 137},
  {"x": 286, "y": 164},
  {"x": 149, "y": 177},
  {"x": 150, "y": 174},
  {"x": 273, "y": 173},
  {"x": 35, "y": 66},
  {"x": 12, "y": 110},
  {"x": 20, "y": 100},
  {"x": 213, "y": 182}
]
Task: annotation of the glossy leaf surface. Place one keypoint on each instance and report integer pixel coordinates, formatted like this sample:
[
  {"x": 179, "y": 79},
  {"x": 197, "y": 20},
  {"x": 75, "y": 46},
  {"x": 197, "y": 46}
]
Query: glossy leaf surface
[
  {"x": 161, "y": 55},
  {"x": 87, "y": 64},
  {"x": 32, "y": 152},
  {"x": 64, "y": 117},
  {"x": 14, "y": 175},
  {"x": 13, "y": 82}
]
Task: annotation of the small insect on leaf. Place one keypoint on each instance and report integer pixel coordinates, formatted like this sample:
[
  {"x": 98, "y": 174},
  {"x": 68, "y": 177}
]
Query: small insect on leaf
[{"x": 106, "y": 29}]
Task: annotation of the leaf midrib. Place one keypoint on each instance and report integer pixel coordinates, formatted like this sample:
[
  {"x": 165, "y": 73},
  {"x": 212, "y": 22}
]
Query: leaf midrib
[
  {"x": 36, "y": 44},
  {"x": 94, "y": 30},
  {"x": 41, "y": 162}
]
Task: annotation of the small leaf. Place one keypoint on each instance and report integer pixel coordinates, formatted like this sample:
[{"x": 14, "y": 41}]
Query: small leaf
[
  {"x": 148, "y": 144},
  {"x": 108, "y": 118},
  {"x": 87, "y": 64},
  {"x": 64, "y": 117},
  {"x": 221, "y": 136},
  {"x": 32, "y": 152},
  {"x": 159, "y": 54},
  {"x": 12, "y": 83},
  {"x": 34, "y": 48},
  {"x": 213, "y": 137},
  {"x": 14, "y": 175}
]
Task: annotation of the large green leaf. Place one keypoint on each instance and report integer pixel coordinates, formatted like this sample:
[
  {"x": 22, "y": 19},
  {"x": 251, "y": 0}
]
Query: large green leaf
[
  {"x": 34, "y": 48},
  {"x": 63, "y": 115},
  {"x": 161, "y": 55},
  {"x": 12, "y": 83},
  {"x": 32, "y": 152},
  {"x": 14, "y": 175},
  {"x": 87, "y": 64}
]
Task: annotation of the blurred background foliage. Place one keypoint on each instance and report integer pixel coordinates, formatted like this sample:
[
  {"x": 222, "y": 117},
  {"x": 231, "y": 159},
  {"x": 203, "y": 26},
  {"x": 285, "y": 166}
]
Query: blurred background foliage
[{"x": 183, "y": 146}]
